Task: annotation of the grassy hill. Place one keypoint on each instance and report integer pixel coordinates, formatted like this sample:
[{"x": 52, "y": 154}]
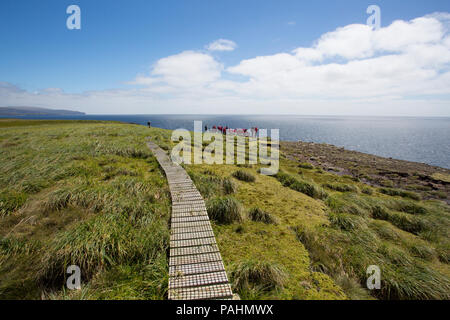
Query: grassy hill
[
  {"x": 92, "y": 194},
  {"x": 33, "y": 111}
]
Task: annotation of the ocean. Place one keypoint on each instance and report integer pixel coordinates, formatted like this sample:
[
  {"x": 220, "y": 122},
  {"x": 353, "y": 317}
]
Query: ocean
[{"x": 425, "y": 140}]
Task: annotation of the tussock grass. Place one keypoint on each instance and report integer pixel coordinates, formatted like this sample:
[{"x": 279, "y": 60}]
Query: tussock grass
[
  {"x": 341, "y": 187},
  {"x": 352, "y": 287},
  {"x": 367, "y": 190},
  {"x": 308, "y": 188},
  {"x": 258, "y": 215},
  {"x": 256, "y": 275},
  {"x": 228, "y": 186},
  {"x": 348, "y": 204},
  {"x": 443, "y": 253},
  {"x": 224, "y": 210},
  {"x": 306, "y": 165},
  {"x": 408, "y": 207},
  {"x": 414, "y": 282},
  {"x": 11, "y": 201},
  {"x": 347, "y": 222},
  {"x": 423, "y": 252},
  {"x": 401, "y": 193},
  {"x": 244, "y": 176},
  {"x": 403, "y": 277},
  {"x": 403, "y": 221},
  {"x": 210, "y": 185},
  {"x": 12, "y": 246},
  {"x": 83, "y": 193},
  {"x": 385, "y": 230},
  {"x": 207, "y": 185},
  {"x": 102, "y": 242}
]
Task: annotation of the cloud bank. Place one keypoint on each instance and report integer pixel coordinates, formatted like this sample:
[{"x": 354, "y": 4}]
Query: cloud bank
[{"x": 400, "y": 69}]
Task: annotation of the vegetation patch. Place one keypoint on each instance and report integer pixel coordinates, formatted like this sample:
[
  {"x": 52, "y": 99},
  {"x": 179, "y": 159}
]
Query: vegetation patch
[
  {"x": 302, "y": 186},
  {"x": 401, "y": 193},
  {"x": 441, "y": 176},
  {"x": 228, "y": 186},
  {"x": 244, "y": 176},
  {"x": 83, "y": 193},
  {"x": 347, "y": 222},
  {"x": 306, "y": 165},
  {"x": 341, "y": 187},
  {"x": 253, "y": 275},
  {"x": 224, "y": 210},
  {"x": 10, "y": 201},
  {"x": 258, "y": 215}
]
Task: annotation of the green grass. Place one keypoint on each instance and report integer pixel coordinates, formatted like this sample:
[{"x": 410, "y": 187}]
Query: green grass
[
  {"x": 92, "y": 193},
  {"x": 339, "y": 234},
  {"x": 258, "y": 215},
  {"x": 84, "y": 193},
  {"x": 401, "y": 193},
  {"x": 341, "y": 187},
  {"x": 306, "y": 165},
  {"x": 244, "y": 176},
  {"x": 228, "y": 186},
  {"x": 308, "y": 188},
  {"x": 224, "y": 210},
  {"x": 250, "y": 277}
]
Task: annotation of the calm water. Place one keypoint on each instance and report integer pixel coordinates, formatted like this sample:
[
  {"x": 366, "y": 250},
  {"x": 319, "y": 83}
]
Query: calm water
[{"x": 424, "y": 140}]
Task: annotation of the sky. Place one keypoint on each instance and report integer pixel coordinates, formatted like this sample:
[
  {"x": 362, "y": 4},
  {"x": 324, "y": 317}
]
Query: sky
[{"x": 227, "y": 57}]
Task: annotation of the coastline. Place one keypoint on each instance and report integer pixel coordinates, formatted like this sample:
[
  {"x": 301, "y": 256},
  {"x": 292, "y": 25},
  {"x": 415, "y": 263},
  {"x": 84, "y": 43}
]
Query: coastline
[{"x": 372, "y": 169}]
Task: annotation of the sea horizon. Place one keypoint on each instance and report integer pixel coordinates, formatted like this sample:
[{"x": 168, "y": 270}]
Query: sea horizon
[{"x": 422, "y": 139}]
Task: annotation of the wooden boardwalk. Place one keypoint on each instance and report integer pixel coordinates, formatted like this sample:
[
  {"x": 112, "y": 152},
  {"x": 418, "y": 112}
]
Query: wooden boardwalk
[{"x": 196, "y": 269}]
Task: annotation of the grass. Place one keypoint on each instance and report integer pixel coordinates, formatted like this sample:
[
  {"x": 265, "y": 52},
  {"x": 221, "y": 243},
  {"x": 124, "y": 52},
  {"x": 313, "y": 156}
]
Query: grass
[
  {"x": 228, "y": 186},
  {"x": 258, "y": 215},
  {"x": 10, "y": 201},
  {"x": 401, "y": 193},
  {"x": 84, "y": 193},
  {"x": 91, "y": 194},
  {"x": 244, "y": 176},
  {"x": 306, "y": 165},
  {"x": 442, "y": 177},
  {"x": 252, "y": 276},
  {"x": 308, "y": 188},
  {"x": 341, "y": 187},
  {"x": 224, "y": 210},
  {"x": 339, "y": 233}
]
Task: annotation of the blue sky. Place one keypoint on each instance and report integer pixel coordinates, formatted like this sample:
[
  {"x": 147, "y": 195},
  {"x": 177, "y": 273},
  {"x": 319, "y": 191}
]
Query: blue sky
[{"x": 120, "y": 40}]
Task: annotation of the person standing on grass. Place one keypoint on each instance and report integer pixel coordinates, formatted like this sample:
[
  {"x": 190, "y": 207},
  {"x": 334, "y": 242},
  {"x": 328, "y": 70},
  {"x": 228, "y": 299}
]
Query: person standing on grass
[{"x": 149, "y": 124}]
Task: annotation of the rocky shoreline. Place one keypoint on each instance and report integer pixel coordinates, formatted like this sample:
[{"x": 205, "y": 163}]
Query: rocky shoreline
[{"x": 430, "y": 182}]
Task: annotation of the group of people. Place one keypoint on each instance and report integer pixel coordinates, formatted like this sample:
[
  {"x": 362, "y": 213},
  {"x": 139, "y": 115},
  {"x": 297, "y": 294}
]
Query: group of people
[{"x": 253, "y": 132}]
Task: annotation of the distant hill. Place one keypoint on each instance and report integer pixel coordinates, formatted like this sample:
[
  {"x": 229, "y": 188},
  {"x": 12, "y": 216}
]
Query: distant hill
[{"x": 30, "y": 111}]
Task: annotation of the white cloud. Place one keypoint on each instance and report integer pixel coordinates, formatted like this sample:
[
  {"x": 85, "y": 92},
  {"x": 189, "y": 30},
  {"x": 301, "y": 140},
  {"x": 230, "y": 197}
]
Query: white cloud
[
  {"x": 401, "y": 69},
  {"x": 221, "y": 45},
  {"x": 187, "y": 69}
]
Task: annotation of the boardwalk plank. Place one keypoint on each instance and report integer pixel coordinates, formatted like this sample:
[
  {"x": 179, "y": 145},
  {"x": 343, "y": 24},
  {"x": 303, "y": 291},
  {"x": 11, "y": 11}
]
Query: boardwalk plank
[
  {"x": 197, "y": 280},
  {"x": 191, "y": 242},
  {"x": 201, "y": 293},
  {"x": 196, "y": 269}
]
